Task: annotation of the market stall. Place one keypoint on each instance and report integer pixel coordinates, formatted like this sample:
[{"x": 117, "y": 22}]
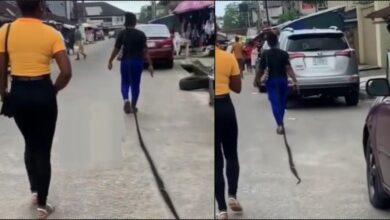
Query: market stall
[{"x": 197, "y": 22}]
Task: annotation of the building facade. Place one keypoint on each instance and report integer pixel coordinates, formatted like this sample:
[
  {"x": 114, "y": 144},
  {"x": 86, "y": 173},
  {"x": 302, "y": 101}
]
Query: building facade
[
  {"x": 371, "y": 39},
  {"x": 101, "y": 14}
]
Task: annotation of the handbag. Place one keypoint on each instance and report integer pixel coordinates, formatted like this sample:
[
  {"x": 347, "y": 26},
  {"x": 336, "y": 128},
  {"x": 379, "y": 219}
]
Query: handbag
[{"x": 6, "y": 107}]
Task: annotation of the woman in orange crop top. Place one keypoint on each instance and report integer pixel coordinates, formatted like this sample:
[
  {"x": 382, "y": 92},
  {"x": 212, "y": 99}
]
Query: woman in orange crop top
[
  {"x": 32, "y": 98},
  {"x": 228, "y": 79}
]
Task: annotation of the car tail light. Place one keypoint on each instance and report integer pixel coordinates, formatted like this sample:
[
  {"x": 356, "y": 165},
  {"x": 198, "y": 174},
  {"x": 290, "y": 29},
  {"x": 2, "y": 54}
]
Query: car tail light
[
  {"x": 294, "y": 55},
  {"x": 167, "y": 43},
  {"x": 347, "y": 53}
]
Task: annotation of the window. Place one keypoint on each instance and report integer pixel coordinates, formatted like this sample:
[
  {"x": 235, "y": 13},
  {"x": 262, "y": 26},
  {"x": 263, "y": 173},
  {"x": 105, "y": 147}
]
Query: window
[
  {"x": 317, "y": 42},
  {"x": 154, "y": 30},
  {"x": 322, "y": 5}
]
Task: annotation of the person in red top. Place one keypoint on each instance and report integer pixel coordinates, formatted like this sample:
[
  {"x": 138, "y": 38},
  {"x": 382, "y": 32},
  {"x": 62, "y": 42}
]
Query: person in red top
[{"x": 247, "y": 52}]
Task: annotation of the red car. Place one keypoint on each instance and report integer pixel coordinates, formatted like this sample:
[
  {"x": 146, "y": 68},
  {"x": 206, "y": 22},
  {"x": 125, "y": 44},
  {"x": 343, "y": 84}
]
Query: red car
[
  {"x": 376, "y": 142},
  {"x": 160, "y": 43}
]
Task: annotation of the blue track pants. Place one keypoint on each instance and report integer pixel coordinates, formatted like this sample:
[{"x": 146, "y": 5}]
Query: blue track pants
[
  {"x": 277, "y": 89},
  {"x": 131, "y": 71}
]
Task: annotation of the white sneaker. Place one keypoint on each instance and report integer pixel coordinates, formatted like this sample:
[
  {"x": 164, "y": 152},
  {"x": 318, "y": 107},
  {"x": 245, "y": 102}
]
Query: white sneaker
[
  {"x": 44, "y": 212},
  {"x": 222, "y": 215}
]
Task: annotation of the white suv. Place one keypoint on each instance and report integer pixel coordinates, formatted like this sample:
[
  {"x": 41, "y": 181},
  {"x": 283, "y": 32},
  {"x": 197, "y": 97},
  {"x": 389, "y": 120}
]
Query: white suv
[{"x": 323, "y": 62}]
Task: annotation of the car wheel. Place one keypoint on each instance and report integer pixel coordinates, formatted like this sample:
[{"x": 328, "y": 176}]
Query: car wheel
[
  {"x": 378, "y": 197},
  {"x": 352, "y": 99},
  {"x": 194, "y": 82}
]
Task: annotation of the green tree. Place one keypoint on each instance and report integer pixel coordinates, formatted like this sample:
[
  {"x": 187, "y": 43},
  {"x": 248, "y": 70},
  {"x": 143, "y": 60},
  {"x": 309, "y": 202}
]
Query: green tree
[
  {"x": 233, "y": 19},
  {"x": 291, "y": 14},
  {"x": 145, "y": 14}
]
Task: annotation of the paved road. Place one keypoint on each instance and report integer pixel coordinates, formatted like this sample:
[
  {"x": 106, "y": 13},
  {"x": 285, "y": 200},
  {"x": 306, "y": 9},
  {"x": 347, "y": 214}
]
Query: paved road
[
  {"x": 326, "y": 140},
  {"x": 99, "y": 170}
]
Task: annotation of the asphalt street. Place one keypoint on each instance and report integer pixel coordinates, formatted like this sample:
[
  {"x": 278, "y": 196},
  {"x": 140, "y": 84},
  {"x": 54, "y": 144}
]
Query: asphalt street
[
  {"x": 98, "y": 167},
  {"x": 326, "y": 141}
]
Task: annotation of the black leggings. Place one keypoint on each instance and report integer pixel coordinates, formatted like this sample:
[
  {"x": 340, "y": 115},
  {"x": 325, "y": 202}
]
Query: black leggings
[
  {"x": 35, "y": 111},
  {"x": 226, "y": 133}
]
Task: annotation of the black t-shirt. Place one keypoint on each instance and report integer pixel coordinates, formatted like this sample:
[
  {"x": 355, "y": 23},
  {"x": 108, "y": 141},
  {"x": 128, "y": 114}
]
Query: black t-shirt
[
  {"x": 276, "y": 60},
  {"x": 133, "y": 42}
]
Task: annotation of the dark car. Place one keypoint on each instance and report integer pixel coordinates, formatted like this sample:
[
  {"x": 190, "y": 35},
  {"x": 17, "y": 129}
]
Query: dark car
[
  {"x": 376, "y": 142},
  {"x": 160, "y": 43}
]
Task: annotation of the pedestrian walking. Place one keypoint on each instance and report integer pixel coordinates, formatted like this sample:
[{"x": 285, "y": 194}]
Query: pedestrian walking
[
  {"x": 274, "y": 70},
  {"x": 226, "y": 131},
  {"x": 33, "y": 95},
  {"x": 134, "y": 49},
  {"x": 254, "y": 55},
  {"x": 248, "y": 56},
  {"x": 79, "y": 43},
  {"x": 237, "y": 50},
  {"x": 71, "y": 41}
]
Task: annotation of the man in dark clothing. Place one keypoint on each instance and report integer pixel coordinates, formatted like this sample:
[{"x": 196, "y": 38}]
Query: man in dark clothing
[
  {"x": 134, "y": 49},
  {"x": 71, "y": 40},
  {"x": 277, "y": 62}
]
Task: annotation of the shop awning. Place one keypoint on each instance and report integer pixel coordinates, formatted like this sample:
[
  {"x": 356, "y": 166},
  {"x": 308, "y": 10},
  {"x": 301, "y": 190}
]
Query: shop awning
[
  {"x": 188, "y": 6},
  {"x": 382, "y": 13},
  {"x": 86, "y": 25},
  {"x": 68, "y": 26}
]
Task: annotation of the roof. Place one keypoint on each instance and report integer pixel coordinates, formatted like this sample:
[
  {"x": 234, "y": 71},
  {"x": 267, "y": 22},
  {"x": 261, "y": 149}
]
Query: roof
[
  {"x": 337, "y": 8},
  {"x": 315, "y": 31},
  {"x": 98, "y": 9},
  {"x": 151, "y": 25},
  {"x": 9, "y": 9},
  {"x": 382, "y": 13},
  {"x": 331, "y": 17}
]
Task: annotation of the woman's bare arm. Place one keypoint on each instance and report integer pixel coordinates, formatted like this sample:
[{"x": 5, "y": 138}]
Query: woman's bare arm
[
  {"x": 65, "y": 75},
  {"x": 3, "y": 75}
]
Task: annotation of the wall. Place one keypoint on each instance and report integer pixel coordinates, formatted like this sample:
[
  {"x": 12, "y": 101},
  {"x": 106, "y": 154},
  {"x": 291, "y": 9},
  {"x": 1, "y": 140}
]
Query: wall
[
  {"x": 274, "y": 14},
  {"x": 108, "y": 20},
  {"x": 382, "y": 36},
  {"x": 367, "y": 38},
  {"x": 349, "y": 4}
]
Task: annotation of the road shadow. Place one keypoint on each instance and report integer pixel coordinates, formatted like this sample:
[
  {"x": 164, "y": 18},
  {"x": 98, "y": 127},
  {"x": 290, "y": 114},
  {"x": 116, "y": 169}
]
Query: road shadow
[{"x": 320, "y": 103}]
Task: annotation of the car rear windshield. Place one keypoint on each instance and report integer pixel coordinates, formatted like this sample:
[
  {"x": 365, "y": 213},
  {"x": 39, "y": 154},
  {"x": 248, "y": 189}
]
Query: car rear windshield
[
  {"x": 317, "y": 42},
  {"x": 155, "y": 31}
]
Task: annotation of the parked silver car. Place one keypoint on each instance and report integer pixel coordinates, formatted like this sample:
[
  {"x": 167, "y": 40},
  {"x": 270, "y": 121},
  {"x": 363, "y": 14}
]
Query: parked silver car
[{"x": 324, "y": 63}]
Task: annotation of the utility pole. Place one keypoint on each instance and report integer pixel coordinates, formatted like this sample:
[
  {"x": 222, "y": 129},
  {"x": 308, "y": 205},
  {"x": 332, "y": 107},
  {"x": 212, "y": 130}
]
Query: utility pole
[
  {"x": 154, "y": 10},
  {"x": 83, "y": 3},
  {"x": 76, "y": 11},
  {"x": 266, "y": 11},
  {"x": 258, "y": 15}
]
